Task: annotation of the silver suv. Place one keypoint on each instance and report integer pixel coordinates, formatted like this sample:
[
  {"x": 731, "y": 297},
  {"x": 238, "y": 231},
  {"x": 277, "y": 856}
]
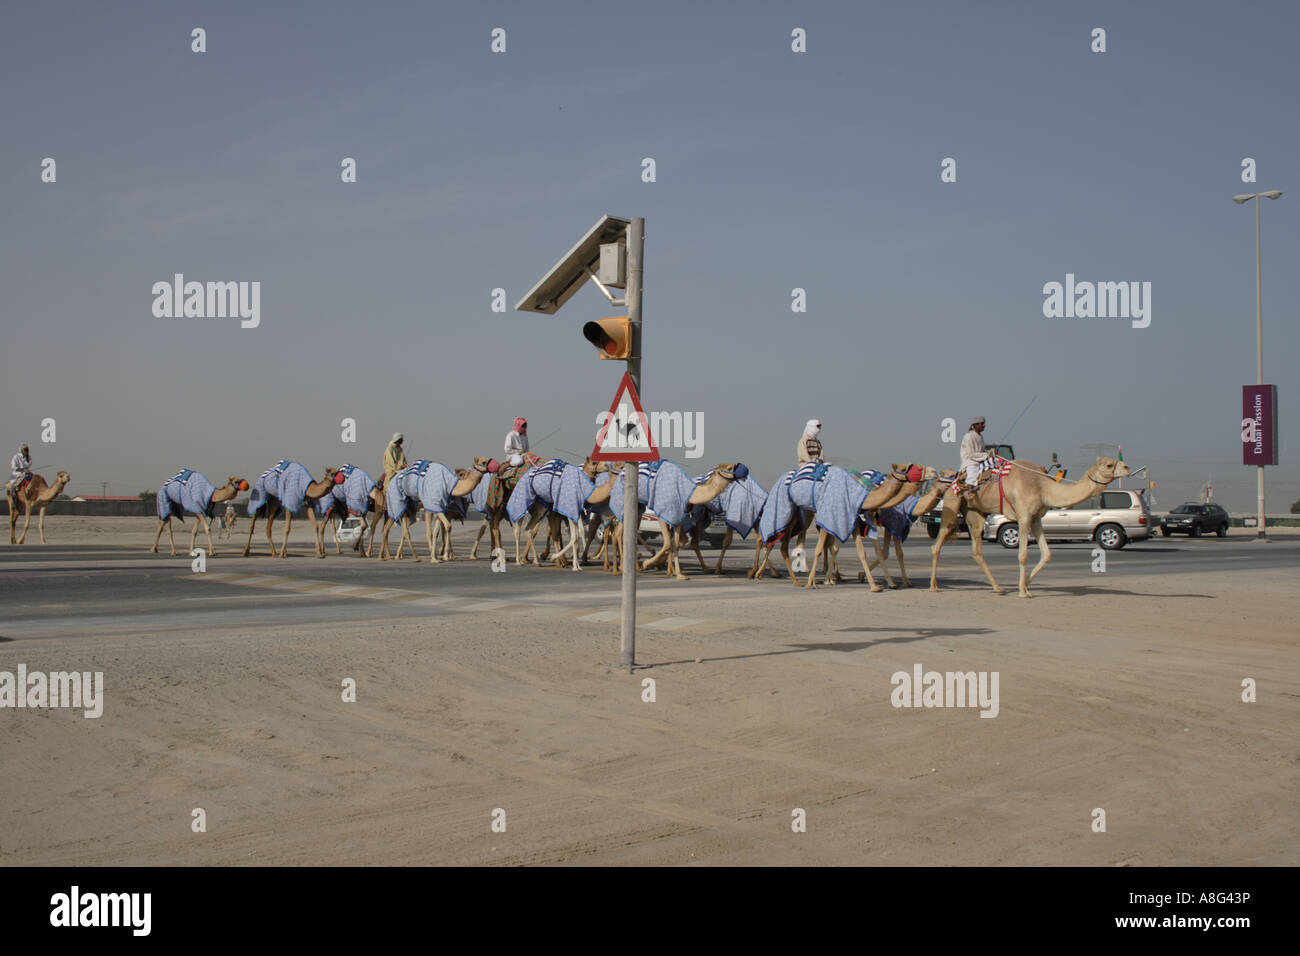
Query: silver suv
[{"x": 1112, "y": 519}]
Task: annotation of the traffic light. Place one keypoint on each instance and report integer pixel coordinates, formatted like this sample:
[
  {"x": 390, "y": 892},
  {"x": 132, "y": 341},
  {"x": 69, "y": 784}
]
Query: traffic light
[{"x": 612, "y": 337}]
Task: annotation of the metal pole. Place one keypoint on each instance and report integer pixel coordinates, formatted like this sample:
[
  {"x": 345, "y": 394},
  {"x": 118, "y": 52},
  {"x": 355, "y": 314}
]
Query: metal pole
[
  {"x": 1259, "y": 360},
  {"x": 635, "y": 249}
]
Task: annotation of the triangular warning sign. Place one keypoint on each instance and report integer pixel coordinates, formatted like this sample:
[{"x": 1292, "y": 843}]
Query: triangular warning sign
[{"x": 625, "y": 435}]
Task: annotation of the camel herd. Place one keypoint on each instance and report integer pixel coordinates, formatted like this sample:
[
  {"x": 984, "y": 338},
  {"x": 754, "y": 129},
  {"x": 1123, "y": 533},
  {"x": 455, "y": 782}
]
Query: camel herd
[{"x": 555, "y": 494}]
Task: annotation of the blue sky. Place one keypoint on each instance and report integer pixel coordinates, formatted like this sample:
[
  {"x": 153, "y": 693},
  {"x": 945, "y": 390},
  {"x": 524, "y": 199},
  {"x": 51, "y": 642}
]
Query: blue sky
[{"x": 775, "y": 170}]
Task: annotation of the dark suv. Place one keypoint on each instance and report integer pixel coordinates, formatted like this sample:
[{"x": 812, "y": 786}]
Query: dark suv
[{"x": 1195, "y": 519}]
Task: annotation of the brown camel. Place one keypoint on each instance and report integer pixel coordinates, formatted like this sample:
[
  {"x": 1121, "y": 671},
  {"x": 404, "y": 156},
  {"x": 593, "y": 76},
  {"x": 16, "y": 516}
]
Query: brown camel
[
  {"x": 802, "y": 521},
  {"x": 339, "y": 510},
  {"x": 35, "y": 493},
  {"x": 503, "y": 483},
  {"x": 226, "y": 492},
  {"x": 1025, "y": 494},
  {"x": 273, "y": 509},
  {"x": 881, "y": 497},
  {"x": 466, "y": 481},
  {"x": 674, "y": 537},
  {"x": 884, "y": 536}
]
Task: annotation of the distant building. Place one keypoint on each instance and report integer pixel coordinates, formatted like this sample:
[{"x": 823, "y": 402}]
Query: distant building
[{"x": 107, "y": 498}]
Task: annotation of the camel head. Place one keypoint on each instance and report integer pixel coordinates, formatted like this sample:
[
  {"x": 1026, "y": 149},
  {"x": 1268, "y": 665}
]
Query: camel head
[
  {"x": 911, "y": 472},
  {"x": 591, "y": 468},
  {"x": 1103, "y": 470},
  {"x": 61, "y": 481},
  {"x": 716, "y": 482},
  {"x": 467, "y": 479},
  {"x": 239, "y": 484}
]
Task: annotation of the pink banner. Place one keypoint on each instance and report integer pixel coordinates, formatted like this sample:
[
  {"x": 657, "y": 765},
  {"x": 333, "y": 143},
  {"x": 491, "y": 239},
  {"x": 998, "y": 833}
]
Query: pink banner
[{"x": 1259, "y": 424}]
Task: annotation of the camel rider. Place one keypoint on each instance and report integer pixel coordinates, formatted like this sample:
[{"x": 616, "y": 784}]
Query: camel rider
[
  {"x": 517, "y": 443},
  {"x": 810, "y": 448},
  {"x": 394, "y": 457},
  {"x": 21, "y": 465},
  {"x": 973, "y": 454}
]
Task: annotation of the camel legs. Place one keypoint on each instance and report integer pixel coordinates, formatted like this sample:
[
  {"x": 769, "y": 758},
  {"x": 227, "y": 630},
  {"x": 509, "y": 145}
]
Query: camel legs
[
  {"x": 13, "y": 521},
  {"x": 947, "y": 529},
  {"x": 1037, "y": 532},
  {"x": 975, "y": 521},
  {"x": 428, "y": 533},
  {"x": 812, "y": 565},
  {"x": 194, "y": 534},
  {"x": 662, "y": 555},
  {"x": 484, "y": 525},
  {"x": 270, "y": 540},
  {"x": 384, "y": 554},
  {"x": 167, "y": 523},
  {"x": 252, "y": 523},
  {"x": 284, "y": 545},
  {"x": 27, "y": 519},
  {"x": 866, "y": 565},
  {"x": 406, "y": 539},
  {"x": 40, "y": 524},
  {"x": 444, "y": 527}
]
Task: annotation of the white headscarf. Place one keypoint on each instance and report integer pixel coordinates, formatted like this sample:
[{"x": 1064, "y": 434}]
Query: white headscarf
[
  {"x": 397, "y": 436},
  {"x": 812, "y": 428}
]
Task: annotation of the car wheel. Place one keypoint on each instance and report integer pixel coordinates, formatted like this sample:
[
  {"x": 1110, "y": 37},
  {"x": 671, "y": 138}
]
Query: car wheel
[
  {"x": 1111, "y": 537},
  {"x": 933, "y": 530},
  {"x": 1196, "y": 531},
  {"x": 1009, "y": 535},
  {"x": 1165, "y": 532},
  {"x": 1223, "y": 531}
]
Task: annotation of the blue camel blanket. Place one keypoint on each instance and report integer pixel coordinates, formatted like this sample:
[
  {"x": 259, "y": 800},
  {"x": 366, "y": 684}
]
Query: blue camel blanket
[
  {"x": 740, "y": 505},
  {"x": 661, "y": 486},
  {"x": 286, "y": 482},
  {"x": 478, "y": 498},
  {"x": 354, "y": 491},
  {"x": 424, "y": 484},
  {"x": 898, "y": 519},
  {"x": 562, "y": 486},
  {"x": 832, "y": 494},
  {"x": 186, "y": 493}
]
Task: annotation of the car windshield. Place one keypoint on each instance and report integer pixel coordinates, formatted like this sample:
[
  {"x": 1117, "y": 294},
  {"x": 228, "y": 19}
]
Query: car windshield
[{"x": 1189, "y": 510}]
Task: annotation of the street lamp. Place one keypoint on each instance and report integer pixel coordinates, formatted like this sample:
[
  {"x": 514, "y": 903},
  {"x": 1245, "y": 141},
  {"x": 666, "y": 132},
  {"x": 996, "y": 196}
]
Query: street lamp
[{"x": 1259, "y": 331}]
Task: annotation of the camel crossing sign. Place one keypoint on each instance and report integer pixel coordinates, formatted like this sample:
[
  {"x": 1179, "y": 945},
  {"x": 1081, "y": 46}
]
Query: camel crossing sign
[{"x": 625, "y": 433}]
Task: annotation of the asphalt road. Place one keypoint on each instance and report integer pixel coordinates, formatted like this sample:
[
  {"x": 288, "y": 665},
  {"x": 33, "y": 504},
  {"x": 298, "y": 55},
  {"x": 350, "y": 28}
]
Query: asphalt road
[{"x": 62, "y": 591}]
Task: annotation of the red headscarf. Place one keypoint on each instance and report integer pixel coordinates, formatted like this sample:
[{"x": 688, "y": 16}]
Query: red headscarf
[{"x": 521, "y": 426}]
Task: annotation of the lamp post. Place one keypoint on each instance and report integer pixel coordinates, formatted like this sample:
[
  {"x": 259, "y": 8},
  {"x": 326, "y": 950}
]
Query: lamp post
[{"x": 1259, "y": 334}]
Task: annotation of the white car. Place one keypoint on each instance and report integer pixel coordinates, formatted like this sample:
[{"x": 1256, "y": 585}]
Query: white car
[{"x": 349, "y": 531}]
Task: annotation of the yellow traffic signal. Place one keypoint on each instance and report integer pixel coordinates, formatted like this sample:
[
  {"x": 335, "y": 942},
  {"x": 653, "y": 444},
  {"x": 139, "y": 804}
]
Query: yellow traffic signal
[{"x": 612, "y": 337}]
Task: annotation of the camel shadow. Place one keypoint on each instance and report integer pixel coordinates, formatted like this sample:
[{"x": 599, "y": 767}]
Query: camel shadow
[
  {"x": 918, "y": 634},
  {"x": 1082, "y": 589}
]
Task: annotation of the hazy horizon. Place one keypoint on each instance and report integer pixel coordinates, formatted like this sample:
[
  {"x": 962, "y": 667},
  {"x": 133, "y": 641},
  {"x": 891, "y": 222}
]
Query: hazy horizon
[{"x": 775, "y": 171}]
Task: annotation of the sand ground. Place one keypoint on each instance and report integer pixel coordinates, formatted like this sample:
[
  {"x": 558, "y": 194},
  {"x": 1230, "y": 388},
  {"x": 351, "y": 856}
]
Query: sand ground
[{"x": 1124, "y": 696}]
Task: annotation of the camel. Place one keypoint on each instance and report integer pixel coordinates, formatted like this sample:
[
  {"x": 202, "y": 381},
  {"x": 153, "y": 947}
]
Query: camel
[
  {"x": 330, "y": 507},
  {"x": 905, "y": 479},
  {"x": 921, "y": 506},
  {"x": 499, "y": 490},
  {"x": 185, "y": 493},
  {"x": 1026, "y": 493},
  {"x": 745, "y": 510},
  {"x": 555, "y": 486},
  {"x": 434, "y": 486},
  {"x": 714, "y": 484},
  {"x": 802, "y": 520},
  {"x": 34, "y": 493},
  {"x": 271, "y": 506}
]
